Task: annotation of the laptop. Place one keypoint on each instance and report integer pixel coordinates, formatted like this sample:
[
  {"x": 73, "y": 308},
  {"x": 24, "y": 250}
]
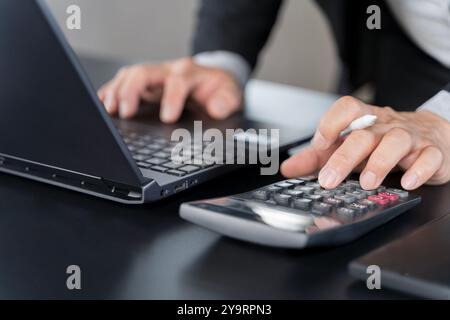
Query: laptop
[
  {"x": 54, "y": 129},
  {"x": 418, "y": 264}
]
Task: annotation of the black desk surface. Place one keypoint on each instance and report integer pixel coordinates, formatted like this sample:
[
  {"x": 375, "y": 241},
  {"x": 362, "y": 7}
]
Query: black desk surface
[{"x": 148, "y": 252}]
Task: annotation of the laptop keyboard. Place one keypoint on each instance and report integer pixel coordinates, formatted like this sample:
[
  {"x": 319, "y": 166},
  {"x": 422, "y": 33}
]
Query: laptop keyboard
[{"x": 155, "y": 153}]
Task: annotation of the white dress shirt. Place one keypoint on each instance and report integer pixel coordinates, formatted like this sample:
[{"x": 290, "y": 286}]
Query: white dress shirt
[{"x": 427, "y": 22}]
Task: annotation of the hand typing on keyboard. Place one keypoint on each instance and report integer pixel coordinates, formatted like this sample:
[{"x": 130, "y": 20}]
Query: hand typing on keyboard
[
  {"x": 172, "y": 83},
  {"x": 417, "y": 142}
]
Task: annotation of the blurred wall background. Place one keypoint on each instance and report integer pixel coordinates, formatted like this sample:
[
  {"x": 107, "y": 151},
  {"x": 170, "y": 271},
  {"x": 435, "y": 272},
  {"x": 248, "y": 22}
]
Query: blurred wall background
[{"x": 301, "y": 51}]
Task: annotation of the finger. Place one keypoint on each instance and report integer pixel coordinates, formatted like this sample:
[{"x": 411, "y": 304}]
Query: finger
[
  {"x": 176, "y": 92},
  {"x": 130, "y": 91},
  {"x": 306, "y": 162},
  {"x": 101, "y": 93},
  {"x": 337, "y": 119},
  {"x": 394, "y": 146},
  {"x": 106, "y": 96},
  {"x": 350, "y": 154},
  {"x": 110, "y": 91},
  {"x": 427, "y": 165},
  {"x": 152, "y": 94},
  {"x": 224, "y": 102},
  {"x": 303, "y": 163},
  {"x": 409, "y": 160}
]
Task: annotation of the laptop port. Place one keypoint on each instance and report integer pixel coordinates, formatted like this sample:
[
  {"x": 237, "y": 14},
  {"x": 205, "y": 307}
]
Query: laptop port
[{"x": 181, "y": 187}]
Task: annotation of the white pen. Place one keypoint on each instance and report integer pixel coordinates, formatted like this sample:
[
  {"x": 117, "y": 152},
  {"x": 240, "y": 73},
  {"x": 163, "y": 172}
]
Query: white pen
[{"x": 360, "y": 124}]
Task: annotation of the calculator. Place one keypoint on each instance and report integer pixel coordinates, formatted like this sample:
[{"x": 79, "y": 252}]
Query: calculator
[{"x": 299, "y": 213}]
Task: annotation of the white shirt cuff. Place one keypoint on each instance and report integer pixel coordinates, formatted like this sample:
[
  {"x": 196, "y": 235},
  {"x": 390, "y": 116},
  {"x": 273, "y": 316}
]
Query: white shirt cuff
[
  {"x": 439, "y": 104},
  {"x": 228, "y": 61}
]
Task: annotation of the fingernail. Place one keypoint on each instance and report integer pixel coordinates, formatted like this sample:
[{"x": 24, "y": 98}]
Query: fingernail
[
  {"x": 167, "y": 114},
  {"x": 108, "y": 102},
  {"x": 410, "y": 181},
  {"x": 124, "y": 109},
  {"x": 328, "y": 178},
  {"x": 369, "y": 180},
  {"x": 319, "y": 141}
]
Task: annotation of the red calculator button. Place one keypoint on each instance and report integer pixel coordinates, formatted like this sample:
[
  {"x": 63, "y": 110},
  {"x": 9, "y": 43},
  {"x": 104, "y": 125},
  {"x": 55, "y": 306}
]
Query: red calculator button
[
  {"x": 379, "y": 199},
  {"x": 390, "y": 196}
]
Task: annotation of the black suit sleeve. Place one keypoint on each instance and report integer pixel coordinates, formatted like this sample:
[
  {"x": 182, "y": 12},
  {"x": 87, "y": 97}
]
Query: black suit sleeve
[
  {"x": 448, "y": 87},
  {"x": 239, "y": 26}
]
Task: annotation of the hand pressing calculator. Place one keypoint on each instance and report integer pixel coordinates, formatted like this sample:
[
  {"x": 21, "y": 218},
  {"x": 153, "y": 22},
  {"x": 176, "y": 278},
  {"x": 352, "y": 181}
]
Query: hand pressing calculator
[{"x": 298, "y": 213}]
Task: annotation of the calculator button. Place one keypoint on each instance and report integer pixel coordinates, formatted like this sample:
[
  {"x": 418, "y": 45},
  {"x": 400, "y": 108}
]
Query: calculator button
[
  {"x": 306, "y": 190},
  {"x": 401, "y": 193},
  {"x": 321, "y": 208},
  {"x": 314, "y": 185},
  {"x": 313, "y": 197},
  {"x": 370, "y": 192},
  {"x": 346, "y": 198},
  {"x": 353, "y": 182},
  {"x": 274, "y": 189},
  {"x": 261, "y": 195},
  {"x": 358, "y": 208},
  {"x": 294, "y": 193},
  {"x": 282, "y": 199},
  {"x": 391, "y": 196},
  {"x": 370, "y": 204},
  {"x": 295, "y": 182},
  {"x": 302, "y": 204},
  {"x": 284, "y": 185},
  {"x": 345, "y": 211},
  {"x": 349, "y": 188},
  {"x": 334, "y": 202},
  {"x": 339, "y": 191},
  {"x": 378, "y": 199},
  {"x": 325, "y": 193},
  {"x": 357, "y": 194}
]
